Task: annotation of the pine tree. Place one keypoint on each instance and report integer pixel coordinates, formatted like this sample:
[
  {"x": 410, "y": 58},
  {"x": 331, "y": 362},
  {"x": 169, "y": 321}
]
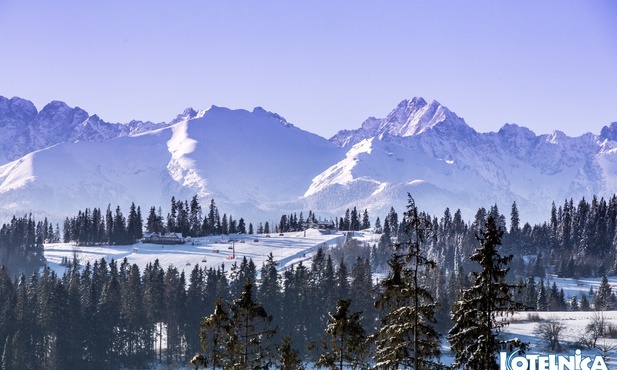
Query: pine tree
[
  {"x": 298, "y": 293},
  {"x": 153, "y": 223},
  {"x": 585, "y": 306},
  {"x": 242, "y": 227},
  {"x": 132, "y": 311},
  {"x": 378, "y": 226},
  {"x": 212, "y": 215},
  {"x": 475, "y": 335},
  {"x": 195, "y": 306},
  {"x": 107, "y": 319},
  {"x": 215, "y": 334},
  {"x": 171, "y": 217},
  {"x": 346, "y": 222},
  {"x": 361, "y": 289},
  {"x": 392, "y": 219},
  {"x": 119, "y": 234},
  {"x": 366, "y": 223},
  {"x": 195, "y": 217},
  {"x": 175, "y": 303},
  {"x": 270, "y": 288},
  {"x": 604, "y": 299},
  {"x": 342, "y": 280},
  {"x": 249, "y": 343},
  {"x": 530, "y": 295},
  {"x": 407, "y": 335},
  {"x": 289, "y": 359},
  {"x": 514, "y": 220},
  {"x": 154, "y": 293},
  {"x": 354, "y": 222},
  {"x": 134, "y": 226},
  {"x": 542, "y": 300},
  {"x": 347, "y": 339},
  {"x": 232, "y": 228}
]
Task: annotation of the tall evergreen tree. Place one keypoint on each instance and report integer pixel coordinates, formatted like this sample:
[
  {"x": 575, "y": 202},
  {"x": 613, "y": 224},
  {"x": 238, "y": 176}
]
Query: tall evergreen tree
[
  {"x": 175, "y": 303},
  {"x": 347, "y": 339},
  {"x": 366, "y": 223},
  {"x": 361, "y": 289},
  {"x": 604, "y": 299},
  {"x": 270, "y": 288},
  {"x": 250, "y": 338},
  {"x": 134, "y": 225},
  {"x": 407, "y": 335},
  {"x": 195, "y": 217},
  {"x": 289, "y": 358},
  {"x": 475, "y": 336},
  {"x": 215, "y": 334}
]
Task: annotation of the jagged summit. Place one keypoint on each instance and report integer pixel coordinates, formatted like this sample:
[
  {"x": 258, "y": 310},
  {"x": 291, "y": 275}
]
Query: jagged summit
[
  {"x": 16, "y": 109},
  {"x": 410, "y": 117},
  {"x": 609, "y": 132},
  {"x": 25, "y": 129}
]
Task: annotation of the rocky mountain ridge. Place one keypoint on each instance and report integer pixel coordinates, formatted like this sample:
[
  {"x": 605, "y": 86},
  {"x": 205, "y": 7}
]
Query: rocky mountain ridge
[
  {"x": 259, "y": 166},
  {"x": 25, "y": 129}
]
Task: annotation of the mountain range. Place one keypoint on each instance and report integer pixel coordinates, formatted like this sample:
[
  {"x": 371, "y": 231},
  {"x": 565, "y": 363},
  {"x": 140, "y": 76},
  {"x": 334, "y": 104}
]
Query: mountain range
[{"x": 256, "y": 165}]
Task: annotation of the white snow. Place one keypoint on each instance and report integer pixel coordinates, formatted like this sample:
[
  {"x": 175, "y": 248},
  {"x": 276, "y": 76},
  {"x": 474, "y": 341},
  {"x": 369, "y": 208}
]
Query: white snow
[{"x": 288, "y": 249}]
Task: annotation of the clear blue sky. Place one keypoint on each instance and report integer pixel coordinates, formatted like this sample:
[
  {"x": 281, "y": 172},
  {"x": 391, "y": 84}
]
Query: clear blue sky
[{"x": 323, "y": 65}]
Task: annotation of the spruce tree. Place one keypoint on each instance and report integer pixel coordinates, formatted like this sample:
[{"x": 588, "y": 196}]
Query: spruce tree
[
  {"x": 250, "y": 334},
  {"x": 361, "y": 289},
  {"x": 289, "y": 358},
  {"x": 366, "y": 223},
  {"x": 270, "y": 288},
  {"x": 195, "y": 217},
  {"x": 174, "y": 306},
  {"x": 478, "y": 310},
  {"x": 215, "y": 334},
  {"x": 604, "y": 299},
  {"x": 346, "y": 344},
  {"x": 407, "y": 336}
]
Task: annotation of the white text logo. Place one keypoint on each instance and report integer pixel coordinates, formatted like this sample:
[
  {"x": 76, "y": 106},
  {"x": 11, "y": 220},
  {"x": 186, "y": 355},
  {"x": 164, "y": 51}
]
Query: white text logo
[{"x": 550, "y": 362}]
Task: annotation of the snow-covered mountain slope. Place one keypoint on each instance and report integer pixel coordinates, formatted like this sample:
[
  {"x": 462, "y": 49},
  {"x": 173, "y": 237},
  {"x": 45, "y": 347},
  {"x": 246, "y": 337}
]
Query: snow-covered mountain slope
[
  {"x": 24, "y": 129},
  {"x": 246, "y": 161},
  {"x": 429, "y": 151},
  {"x": 258, "y": 166}
]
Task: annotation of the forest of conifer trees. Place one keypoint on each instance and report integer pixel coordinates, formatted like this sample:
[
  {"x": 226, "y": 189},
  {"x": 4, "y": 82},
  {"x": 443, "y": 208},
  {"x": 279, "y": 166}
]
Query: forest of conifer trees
[{"x": 112, "y": 315}]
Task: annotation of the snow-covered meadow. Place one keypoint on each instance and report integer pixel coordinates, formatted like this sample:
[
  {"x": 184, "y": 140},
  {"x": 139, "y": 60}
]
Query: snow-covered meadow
[{"x": 287, "y": 249}]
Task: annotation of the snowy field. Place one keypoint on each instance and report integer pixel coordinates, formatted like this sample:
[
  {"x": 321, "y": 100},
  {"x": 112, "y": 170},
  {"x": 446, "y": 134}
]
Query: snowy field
[{"x": 287, "y": 249}]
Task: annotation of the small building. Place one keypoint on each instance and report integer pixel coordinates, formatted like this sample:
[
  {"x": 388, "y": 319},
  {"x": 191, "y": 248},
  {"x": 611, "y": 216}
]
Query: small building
[
  {"x": 324, "y": 226},
  {"x": 167, "y": 238}
]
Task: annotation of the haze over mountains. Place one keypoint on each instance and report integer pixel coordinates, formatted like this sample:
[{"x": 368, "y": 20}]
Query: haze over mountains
[{"x": 258, "y": 166}]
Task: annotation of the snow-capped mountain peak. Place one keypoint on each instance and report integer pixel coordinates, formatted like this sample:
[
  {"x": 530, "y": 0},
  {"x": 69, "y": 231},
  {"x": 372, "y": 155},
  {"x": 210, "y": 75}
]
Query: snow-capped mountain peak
[{"x": 409, "y": 118}]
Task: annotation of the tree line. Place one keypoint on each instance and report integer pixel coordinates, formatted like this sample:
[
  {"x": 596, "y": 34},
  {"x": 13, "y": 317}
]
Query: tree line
[
  {"x": 92, "y": 227},
  {"x": 21, "y": 243},
  {"x": 331, "y": 313},
  {"x": 430, "y": 262}
]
